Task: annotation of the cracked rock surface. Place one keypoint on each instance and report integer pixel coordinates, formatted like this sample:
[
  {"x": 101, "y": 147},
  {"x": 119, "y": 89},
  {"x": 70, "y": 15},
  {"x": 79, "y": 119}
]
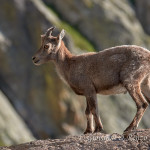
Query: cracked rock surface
[{"x": 138, "y": 139}]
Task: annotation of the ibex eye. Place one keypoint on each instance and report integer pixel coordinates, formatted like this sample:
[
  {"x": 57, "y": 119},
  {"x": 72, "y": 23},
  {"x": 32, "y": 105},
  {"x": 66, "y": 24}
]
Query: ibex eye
[{"x": 46, "y": 46}]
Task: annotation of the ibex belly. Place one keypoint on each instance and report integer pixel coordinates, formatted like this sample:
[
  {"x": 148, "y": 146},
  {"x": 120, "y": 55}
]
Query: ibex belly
[
  {"x": 114, "y": 90},
  {"x": 145, "y": 86}
]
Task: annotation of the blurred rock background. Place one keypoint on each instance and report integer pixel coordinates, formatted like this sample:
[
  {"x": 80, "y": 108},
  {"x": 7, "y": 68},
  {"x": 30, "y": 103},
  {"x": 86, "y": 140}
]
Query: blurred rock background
[{"x": 34, "y": 102}]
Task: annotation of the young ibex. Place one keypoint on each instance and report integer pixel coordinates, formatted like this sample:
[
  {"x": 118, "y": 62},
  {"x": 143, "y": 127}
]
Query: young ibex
[{"x": 112, "y": 71}]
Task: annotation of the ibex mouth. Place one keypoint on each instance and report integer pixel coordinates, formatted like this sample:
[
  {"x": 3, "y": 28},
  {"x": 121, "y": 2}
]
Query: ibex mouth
[{"x": 36, "y": 61}]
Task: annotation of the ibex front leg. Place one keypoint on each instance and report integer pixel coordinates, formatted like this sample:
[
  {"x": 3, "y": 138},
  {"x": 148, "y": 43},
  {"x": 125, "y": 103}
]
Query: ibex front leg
[
  {"x": 89, "y": 117},
  {"x": 92, "y": 101}
]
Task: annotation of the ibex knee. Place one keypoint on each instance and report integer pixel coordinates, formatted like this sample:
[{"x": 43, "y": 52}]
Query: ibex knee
[{"x": 145, "y": 105}]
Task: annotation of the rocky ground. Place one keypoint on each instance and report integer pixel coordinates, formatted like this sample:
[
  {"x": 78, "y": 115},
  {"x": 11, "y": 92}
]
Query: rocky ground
[{"x": 139, "y": 139}]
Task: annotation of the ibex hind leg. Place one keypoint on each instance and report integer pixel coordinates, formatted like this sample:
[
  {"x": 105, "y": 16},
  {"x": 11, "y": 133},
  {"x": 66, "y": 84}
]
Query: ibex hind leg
[
  {"x": 133, "y": 86},
  {"x": 141, "y": 103}
]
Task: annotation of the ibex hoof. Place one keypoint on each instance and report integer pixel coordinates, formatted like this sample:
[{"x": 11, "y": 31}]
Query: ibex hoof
[
  {"x": 98, "y": 130},
  {"x": 87, "y": 131},
  {"x": 128, "y": 131}
]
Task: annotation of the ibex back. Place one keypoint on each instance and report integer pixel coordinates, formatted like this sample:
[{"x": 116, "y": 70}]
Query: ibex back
[{"x": 115, "y": 70}]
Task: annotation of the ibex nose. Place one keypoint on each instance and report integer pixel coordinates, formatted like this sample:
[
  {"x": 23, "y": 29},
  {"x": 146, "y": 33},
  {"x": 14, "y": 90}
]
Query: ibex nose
[{"x": 33, "y": 58}]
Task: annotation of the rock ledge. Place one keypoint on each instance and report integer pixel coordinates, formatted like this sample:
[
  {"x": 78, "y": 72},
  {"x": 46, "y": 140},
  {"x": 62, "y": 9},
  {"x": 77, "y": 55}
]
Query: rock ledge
[{"x": 138, "y": 139}]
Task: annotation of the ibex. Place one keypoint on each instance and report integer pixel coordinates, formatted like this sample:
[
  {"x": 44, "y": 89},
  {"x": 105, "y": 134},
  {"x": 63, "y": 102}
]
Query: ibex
[{"x": 112, "y": 71}]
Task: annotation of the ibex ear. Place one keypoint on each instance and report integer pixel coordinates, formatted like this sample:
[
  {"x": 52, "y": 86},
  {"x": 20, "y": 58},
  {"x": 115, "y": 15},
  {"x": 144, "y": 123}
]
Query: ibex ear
[
  {"x": 60, "y": 37},
  {"x": 62, "y": 34}
]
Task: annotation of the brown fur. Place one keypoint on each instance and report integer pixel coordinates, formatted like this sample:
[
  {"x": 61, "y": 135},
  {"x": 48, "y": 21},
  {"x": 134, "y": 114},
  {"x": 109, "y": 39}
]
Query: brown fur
[{"x": 112, "y": 71}]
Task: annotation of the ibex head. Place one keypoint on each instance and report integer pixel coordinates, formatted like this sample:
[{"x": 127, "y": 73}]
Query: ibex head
[{"x": 49, "y": 47}]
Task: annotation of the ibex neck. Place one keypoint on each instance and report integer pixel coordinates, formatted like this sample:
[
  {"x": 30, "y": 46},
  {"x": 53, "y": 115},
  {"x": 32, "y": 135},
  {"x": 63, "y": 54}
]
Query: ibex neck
[
  {"x": 63, "y": 61},
  {"x": 63, "y": 53}
]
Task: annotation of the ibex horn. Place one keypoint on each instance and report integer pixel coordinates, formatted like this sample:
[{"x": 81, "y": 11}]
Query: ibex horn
[{"x": 49, "y": 31}]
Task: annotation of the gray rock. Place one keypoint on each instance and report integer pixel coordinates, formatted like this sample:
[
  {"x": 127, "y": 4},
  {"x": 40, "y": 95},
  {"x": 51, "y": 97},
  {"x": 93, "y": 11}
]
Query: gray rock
[
  {"x": 105, "y": 23},
  {"x": 13, "y": 130},
  {"x": 139, "y": 139},
  {"x": 38, "y": 95},
  {"x": 143, "y": 13}
]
